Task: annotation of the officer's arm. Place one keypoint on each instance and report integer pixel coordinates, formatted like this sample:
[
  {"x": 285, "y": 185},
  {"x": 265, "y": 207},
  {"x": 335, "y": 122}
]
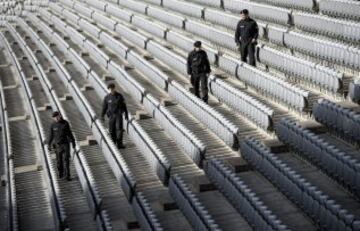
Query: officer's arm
[
  {"x": 70, "y": 134},
  {"x": 237, "y": 33},
  {"x": 256, "y": 31},
  {"x": 189, "y": 71},
  {"x": 51, "y": 137},
  {"x": 104, "y": 108},
  {"x": 207, "y": 63},
  {"x": 125, "y": 111}
]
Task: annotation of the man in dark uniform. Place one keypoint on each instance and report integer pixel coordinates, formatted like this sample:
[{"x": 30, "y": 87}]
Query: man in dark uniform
[
  {"x": 246, "y": 35},
  {"x": 198, "y": 67},
  {"x": 114, "y": 107},
  {"x": 61, "y": 137}
]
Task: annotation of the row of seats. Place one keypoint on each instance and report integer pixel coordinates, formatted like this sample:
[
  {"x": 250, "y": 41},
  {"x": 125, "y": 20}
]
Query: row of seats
[
  {"x": 340, "y": 162},
  {"x": 57, "y": 208},
  {"x": 226, "y": 129},
  {"x": 323, "y": 77},
  {"x": 242, "y": 197},
  {"x": 279, "y": 89},
  {"x": 184, "y": 137},
  {"x": 324, "y": 211},
  {"x": 154, "y": 156},
  {"x": 190, "y": 205},
  {"x": 306, "y": 5},
  {"x": 340, "y": 8},
  {"x": 344, "y": 119},
  {"x": 323, "y": 48},
  {"x": 243, "y": 103},
  {"x": 332, "y": 27},
  {"x": 260, "y": 11},
  {"x": 116, "y": 161},
  {"x": 9, "y": 170},
  {"x": 220, "y": 125},
  {"x": 190, "y": 143},
  {"x": 142, "y": 208}
]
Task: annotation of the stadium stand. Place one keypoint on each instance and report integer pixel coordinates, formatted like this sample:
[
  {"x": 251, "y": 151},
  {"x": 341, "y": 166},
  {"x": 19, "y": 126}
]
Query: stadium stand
[{"x": 275, "y": 148}]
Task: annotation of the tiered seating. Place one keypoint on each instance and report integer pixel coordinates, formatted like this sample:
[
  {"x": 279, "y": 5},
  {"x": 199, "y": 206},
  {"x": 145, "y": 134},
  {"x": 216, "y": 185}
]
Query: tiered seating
[
  {"x": 190, "y": 205},
  {"x": 302, "y": 184},
  {"x": 57, "y": 206},
  {"x": 344, "y": 119},
  {"x": 328, "y": 26},
  {"x": 311, "y": 72},
  {"x": 243, "y": 103},
  {"x": 220, "y": 125},
  {"x": 245, "y": 200},
  {"x": 339, "y": 160},
  {"x": 261, "y": 11},
  {"x": 340, "y": 8},
  {"x": 302, "y": 5},
  {"x": 9, "y": 170},
  {"x": 117, "y": 163}
]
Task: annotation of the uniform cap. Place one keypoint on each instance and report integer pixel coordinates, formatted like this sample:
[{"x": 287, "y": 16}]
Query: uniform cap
[
  {"x": 55, "y": 114},
  {"x": 244, "y": 11},
  {"x": 111, "y": 86},
  {"x": 197, "y": 44}
]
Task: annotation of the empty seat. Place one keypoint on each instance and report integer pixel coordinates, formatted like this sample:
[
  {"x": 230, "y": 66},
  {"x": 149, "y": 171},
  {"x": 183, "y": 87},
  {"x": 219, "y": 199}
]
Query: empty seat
[
  {"x": 253, "y": 109},
  {"x": 148, "y": 25},
  {"x": 229, "y": 20},
  {"x": 184, "y": 7},
  {"x": 328, "y": 26},
  {"x": 89, "y": 28},
  {"x": 118, "y": 12},
  {"x": 280, "y": 89},
  {"x": 323, "y": 48},
  {"x": 334, "y": 157},
  {"x": 321, "y": 76},
  {"x": 166, "y": 17},
  {"x": 101, "y": 5},
  {"x": 152, "y": 153},
  {"x": 116, "y": 46},
  {"x": 261, "y": 11},
  {"x": 344, "y": 119},
  {"x": 190, "y": 205},
  {"x": 131, "y": 35},
  {"x": 303, "y": 5},
  {"x": 104, "y": 21},
  {"x": 340, "y": 8},
  {"x": 83, "y": 10},
  {"x": 134, "y": 5},
  {"x": 165, "y": 55},
  {"x": 224, "y": 128},
  {"x": 210, "y": 33},
  {"x": 154, "y": 73}
]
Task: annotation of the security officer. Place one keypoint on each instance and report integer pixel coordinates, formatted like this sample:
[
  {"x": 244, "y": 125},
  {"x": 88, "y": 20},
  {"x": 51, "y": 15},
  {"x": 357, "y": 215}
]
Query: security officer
[
  {"x": 114, "y": 107},
  {"x": 61, "y": 137},
  {"x": 246, "y": 35},
  {"x": 198, "y": 67}
]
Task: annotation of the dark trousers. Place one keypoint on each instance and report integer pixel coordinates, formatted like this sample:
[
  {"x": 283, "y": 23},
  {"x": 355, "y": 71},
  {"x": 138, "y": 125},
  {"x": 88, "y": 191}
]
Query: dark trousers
[
  {"x": 63, "y": 159},
  {"x": 247, "y": 50},
  {"x": 197, "y": 80},
  {"x": 116, "y": 129}
]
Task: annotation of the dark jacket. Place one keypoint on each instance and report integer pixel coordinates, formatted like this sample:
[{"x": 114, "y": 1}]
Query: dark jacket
[
  {"x": 193, "y": 68},
  {"x": 60, "y": 133},
  {"x": 114, "y": 105},
  {"x": 246, "y": 30}
]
